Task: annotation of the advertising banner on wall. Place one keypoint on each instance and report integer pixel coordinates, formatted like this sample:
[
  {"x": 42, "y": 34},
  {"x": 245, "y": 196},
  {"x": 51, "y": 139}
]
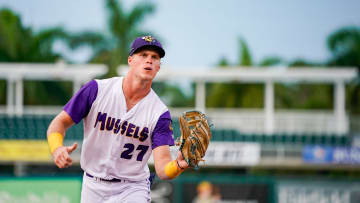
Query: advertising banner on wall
[
  {"x": 24, "y": 150},
  {"x": 318, "y": 191},
  {"x": 31, "y": 151},
  {"x": 40, "y": 190},
  {"x": 228, "y": 154},
  {"x": 331, "y": 155},
  {"x": 233, "y": 153}
]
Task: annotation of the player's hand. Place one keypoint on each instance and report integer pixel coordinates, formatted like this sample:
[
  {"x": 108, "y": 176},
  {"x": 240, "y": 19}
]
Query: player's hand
[
  {"x": 180, "y": 159},
  {"x": 62, "y": 157}
]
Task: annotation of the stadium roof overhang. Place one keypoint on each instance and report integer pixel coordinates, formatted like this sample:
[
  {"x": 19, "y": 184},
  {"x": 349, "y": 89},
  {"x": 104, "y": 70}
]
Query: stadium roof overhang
[
  {"x": 257, "y": 74},
  {"x": 57, "y": 71},
  {"x": 268, "y": 76},
  {"x": 16, "y": 73}
]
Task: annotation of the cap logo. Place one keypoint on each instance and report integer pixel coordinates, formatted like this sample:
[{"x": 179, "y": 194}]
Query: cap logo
[{"x": 148, "y": 38}]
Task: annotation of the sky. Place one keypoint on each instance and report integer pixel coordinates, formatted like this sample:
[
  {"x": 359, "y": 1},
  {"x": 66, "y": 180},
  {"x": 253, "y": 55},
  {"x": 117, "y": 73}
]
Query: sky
[{"x": 198, "y": 33}]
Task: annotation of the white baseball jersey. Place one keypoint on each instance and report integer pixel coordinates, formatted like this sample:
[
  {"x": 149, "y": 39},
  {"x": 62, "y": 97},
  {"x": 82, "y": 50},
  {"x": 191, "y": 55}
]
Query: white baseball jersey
[{"x": 118, "y": 142}]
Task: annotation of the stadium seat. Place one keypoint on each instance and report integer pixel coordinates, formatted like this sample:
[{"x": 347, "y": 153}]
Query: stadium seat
[{"x": 35, "y": 127}]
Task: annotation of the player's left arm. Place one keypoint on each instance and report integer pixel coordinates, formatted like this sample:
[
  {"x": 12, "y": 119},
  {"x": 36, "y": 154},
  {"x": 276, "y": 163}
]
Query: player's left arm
[{"x": 165, "y": 167}]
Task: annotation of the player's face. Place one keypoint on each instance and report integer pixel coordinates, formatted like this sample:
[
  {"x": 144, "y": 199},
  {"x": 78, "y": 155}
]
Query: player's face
[{"x": 145, "y": 64}]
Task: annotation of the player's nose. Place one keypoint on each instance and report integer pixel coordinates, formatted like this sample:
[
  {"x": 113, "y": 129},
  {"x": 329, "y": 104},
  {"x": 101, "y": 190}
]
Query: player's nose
[{"x": 149, "y": 59}]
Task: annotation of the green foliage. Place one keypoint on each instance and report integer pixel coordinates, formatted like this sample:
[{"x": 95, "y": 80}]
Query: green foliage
[
  {"x": 123, "y": 26},
  {"x": 299, "y": 63},
  {"x": 223, "y": 62},
  {"x": 173, "y": 95},
  {"x": 233, "y": 95},
  {"x": 10, "y": 35},
  {"x": 304, "y": 96},
  {"x": 245, "y": 56},
  {"x": 21, "y": 44},
  {"x": 353, "y": 97},
  {"x": 2, "y": 92},
  {"x": 344, "y": 45},
  {"x": 50, "y": 92},
  {"x": 271, "y": 61}
]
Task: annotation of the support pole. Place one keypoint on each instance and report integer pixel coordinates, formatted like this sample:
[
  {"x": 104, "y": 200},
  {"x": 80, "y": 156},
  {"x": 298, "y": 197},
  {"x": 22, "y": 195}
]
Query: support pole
[
  {"x": 269, "y": 107},
  {"x": 339, "y": 107},
  {"x": 19, "y": 101},
  {"x": 10, "y": 97},
  {"x": 200, "y": 98}
]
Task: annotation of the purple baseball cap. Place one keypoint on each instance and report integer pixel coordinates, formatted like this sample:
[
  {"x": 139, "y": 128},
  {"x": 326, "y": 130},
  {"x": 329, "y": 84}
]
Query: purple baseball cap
[{"x": 146, "y": 41}]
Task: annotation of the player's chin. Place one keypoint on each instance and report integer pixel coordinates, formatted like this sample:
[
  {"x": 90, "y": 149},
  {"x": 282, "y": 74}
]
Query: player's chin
[{"x": 148, "y": 76}]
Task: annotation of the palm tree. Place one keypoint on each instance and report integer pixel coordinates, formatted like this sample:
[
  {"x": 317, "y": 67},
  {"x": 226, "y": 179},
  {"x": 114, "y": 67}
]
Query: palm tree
[
  {"x": 21, "y": 44},
  {"x": 344, "y": 46},
  {"x": 113, "y": 49}
]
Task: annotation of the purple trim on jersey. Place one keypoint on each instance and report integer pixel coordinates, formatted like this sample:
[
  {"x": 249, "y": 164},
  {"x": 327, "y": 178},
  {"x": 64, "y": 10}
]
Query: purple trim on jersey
[
  {"x": 79, "y": 105},
  {"x": 162, "y": 134}
]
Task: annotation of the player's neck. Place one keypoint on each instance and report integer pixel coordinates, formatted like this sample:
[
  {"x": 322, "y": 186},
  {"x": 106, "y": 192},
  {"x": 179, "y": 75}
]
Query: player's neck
[{"x": 134, "y": 90}]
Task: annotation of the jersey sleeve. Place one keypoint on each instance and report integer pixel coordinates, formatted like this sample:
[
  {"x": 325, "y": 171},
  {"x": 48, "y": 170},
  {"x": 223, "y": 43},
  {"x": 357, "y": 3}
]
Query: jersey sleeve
[
  {"x": 79, "y": 105},
  {"x": 163, "y": 133}
]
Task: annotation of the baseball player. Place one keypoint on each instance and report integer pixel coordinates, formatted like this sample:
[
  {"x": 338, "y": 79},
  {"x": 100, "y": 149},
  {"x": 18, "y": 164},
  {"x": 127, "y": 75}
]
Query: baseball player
[{"x": 124, "y": 122}]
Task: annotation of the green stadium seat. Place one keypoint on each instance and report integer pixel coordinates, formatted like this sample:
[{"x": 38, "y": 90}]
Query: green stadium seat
[
  {"x": 238, "y": 137},
  {"x": 217, "y": 135},
  {"x": 343, "y": 140},
  {"x": 35, "y": 127},
  {"x": 269, "y": 139},
  {"x": 279, "y": 138},
  {"x": 259, "y": 138},
  {"x": 228, "y": 135},
  {"x": 290, "y": 139},
  {"x": 321, "y": 139},
  {"x": 327, "y": 140},
  {"x": 249, "y": 138},
  {"x": 256, "y": 138}
]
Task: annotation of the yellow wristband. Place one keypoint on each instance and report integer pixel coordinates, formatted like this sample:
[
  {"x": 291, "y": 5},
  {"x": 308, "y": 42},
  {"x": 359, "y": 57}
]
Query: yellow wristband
[
  {"x": 55, "y": 140},
  {"x": 172, "y": 170}
]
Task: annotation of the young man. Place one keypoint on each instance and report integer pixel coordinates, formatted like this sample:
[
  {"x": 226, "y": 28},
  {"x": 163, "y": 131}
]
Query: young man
[{"x": 124, "y": 122}]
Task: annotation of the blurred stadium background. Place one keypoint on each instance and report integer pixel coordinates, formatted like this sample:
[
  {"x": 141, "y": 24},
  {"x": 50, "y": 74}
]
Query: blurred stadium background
[{"x": 286, "y": 132}]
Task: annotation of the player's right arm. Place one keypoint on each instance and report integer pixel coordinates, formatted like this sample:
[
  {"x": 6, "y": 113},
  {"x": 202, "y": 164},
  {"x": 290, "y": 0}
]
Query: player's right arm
[
  {"x": 55, "y": 136},
  {"x": 74, "y": 111}
]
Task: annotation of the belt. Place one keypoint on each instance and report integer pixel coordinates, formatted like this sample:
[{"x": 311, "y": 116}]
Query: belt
[{"x": 102, "y": 179}]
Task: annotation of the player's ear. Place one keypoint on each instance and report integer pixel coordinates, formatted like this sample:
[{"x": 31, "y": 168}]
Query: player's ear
[{"x": 129, "y": 59}]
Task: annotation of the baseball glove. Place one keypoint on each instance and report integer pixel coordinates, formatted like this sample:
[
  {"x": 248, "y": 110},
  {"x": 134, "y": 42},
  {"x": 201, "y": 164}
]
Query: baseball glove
[{"x": 195, "y": 137}]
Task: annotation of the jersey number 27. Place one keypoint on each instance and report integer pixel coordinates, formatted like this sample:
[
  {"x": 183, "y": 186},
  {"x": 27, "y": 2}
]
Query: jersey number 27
[{"x": 129, "y": 148}]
